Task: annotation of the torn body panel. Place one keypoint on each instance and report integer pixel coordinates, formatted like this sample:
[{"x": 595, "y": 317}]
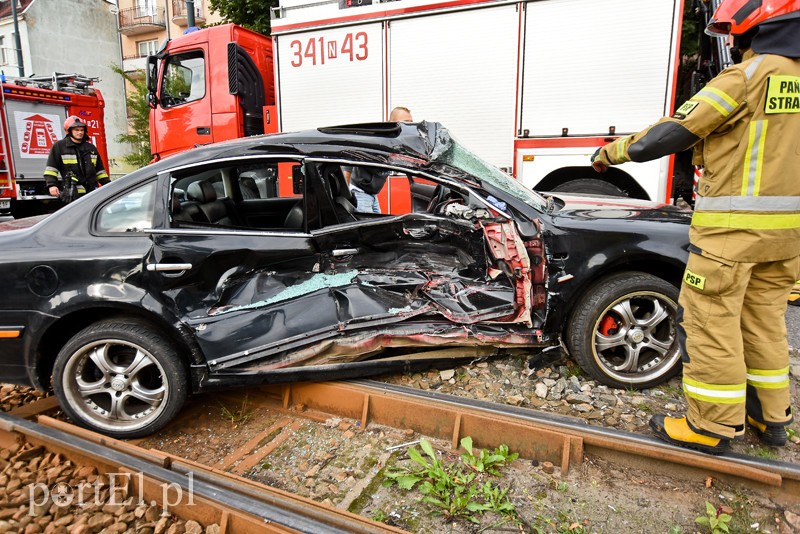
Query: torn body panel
[{"x": 364, "y": 278}]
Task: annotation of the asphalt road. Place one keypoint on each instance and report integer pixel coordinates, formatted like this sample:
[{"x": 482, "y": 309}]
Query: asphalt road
[{"x": 792, "y": 316}]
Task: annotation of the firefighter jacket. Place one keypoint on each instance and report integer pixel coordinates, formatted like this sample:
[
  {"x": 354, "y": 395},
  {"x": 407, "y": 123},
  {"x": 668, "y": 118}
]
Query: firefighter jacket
[
  {"x": 745, "y": 127},
  {"x": 81, "y": 162}
]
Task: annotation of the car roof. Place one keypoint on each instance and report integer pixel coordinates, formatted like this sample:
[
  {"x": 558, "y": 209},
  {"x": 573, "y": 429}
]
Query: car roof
[{"x": 374, "y": 142}]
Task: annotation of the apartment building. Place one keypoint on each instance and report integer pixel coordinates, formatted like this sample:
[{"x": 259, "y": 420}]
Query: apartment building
[{"x": 145, "y": 24}]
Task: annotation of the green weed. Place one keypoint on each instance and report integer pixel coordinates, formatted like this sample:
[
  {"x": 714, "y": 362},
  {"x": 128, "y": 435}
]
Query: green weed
[
  {"x": 457, "y": 490},
  {"x": 237, "y": 416},
  {"x": 715, "y": 519}
]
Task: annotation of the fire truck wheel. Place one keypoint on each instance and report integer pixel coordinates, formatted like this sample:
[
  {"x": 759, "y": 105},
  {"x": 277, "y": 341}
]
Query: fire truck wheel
[
  {"x": 623, "y": 331},
  {"x": 590, "y": 186},
  {"x": 121, "y": 378}
]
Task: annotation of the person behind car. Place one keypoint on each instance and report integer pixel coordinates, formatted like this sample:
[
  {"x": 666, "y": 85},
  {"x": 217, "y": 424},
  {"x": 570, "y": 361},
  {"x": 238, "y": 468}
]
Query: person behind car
[
  {"x": 745, "y": 233},
  {"x": 366, "y": 183},
  {"x": 77, "y": 161}
]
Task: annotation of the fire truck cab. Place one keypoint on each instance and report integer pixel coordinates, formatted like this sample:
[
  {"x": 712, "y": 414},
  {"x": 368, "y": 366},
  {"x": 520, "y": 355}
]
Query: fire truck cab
[{"x": 533, "y": 87}]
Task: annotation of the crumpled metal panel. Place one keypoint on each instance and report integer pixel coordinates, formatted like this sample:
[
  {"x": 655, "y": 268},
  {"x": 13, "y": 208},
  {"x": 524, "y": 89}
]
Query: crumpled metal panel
[{"x": 404, "y": 275}]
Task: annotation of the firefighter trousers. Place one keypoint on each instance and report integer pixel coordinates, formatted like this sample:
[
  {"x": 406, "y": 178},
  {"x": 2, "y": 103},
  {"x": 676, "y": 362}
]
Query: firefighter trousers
[{"x": 732, "y": 329}]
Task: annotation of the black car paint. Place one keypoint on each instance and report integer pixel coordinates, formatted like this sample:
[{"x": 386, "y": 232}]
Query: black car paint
[{"x": 104, "y": 274}]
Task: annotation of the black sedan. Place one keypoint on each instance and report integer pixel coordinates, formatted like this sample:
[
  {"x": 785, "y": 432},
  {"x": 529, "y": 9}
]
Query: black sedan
[{"x": 248, "y": 262}]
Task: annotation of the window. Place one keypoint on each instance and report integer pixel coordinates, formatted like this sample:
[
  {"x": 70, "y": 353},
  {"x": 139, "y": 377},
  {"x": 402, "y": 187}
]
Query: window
[
  {"x": 248, "y": 195},
  {"x": 132, "y": 212},
  {"x": 145, "y": 8},
  {"x": 3, "y": 58},
  {"x": 147, "y": 48},
  {"x": 184, "y": 79}
]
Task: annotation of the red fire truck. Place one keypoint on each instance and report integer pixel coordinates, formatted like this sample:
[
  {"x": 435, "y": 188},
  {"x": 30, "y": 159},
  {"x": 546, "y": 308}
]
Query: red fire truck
[
  {"x": 533, "y": 87},
  {"x": 32, "y": 114}
]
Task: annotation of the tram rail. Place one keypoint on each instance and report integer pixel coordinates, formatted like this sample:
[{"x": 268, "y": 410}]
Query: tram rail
[{"x": 223, "y": 495}]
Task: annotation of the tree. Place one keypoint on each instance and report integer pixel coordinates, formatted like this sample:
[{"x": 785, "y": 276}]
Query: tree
[
  {"x": 252, "y": 14},
  {"x": 138, "y": 135}
]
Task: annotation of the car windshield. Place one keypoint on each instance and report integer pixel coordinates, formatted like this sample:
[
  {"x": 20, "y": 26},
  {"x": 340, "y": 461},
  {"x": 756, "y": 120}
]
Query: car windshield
[{"x": 448, "y": 151}]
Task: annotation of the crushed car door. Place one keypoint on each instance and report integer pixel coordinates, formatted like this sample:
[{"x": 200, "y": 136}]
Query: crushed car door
[
  {"x": 272, "y": 300},
  {"x": 412, "y": 265}
]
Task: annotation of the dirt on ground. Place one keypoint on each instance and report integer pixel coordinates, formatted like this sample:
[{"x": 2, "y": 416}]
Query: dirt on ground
[{"x": 337, "y": 462}]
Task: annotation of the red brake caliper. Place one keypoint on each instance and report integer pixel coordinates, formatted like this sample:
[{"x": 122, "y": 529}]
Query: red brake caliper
[{"x": 608, "y": 325}]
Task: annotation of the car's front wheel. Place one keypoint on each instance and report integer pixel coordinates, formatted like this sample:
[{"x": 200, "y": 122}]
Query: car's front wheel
[
  {"x": 121, "y": 378},
  {"x": 623, "y": 331}
]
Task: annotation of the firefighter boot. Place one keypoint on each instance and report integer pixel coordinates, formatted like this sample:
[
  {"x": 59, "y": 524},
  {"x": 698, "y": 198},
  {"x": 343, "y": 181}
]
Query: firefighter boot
[
  {"x": 771, "y": 435},
  {"x": 794, "y": 296},
  {"x": 676, "y": 431}
]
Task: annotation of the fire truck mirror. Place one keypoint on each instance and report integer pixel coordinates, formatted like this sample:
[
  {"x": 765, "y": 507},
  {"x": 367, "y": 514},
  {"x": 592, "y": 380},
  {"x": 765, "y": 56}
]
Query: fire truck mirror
[{"x": 151, "y": 74}]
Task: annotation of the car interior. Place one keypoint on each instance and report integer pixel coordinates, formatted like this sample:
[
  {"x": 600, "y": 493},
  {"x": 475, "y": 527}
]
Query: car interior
[{"x": 277, "y": 195}]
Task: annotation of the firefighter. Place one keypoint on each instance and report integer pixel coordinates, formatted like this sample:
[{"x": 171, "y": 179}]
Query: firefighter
[
  {"x": 744, "y": 255},
  {"x": 77, "y": 161}
]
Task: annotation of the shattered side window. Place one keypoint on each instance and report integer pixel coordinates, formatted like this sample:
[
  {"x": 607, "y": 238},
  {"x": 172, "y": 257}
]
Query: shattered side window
[{"x": 450, "y": 152}]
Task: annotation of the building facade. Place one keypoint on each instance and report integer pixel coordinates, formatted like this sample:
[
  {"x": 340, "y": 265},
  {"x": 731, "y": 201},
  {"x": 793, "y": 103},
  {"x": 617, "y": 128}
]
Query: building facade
[
  {"x": 69, "y": 36},
  {"x": 145, "y": 24}
]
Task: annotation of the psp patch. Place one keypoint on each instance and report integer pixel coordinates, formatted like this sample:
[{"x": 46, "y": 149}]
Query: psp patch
[
  {"x": 684, "y": 110},
  {"x": 783, "y": 95},
  {"x": 694, "y": 280}
]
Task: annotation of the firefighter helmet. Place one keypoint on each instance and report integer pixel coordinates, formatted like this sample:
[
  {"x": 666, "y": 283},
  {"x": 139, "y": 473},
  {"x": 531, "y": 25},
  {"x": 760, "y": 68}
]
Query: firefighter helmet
[
  {"x": 73, "y": 121},
  {"x": 738, "y": 16}
]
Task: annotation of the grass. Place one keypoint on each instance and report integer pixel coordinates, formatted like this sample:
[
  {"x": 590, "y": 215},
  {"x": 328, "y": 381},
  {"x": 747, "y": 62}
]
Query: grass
[
  {"x": 458, "y": 490},
  {"x": 237, "y": 416},
  {"x": 765, "y": 452}
]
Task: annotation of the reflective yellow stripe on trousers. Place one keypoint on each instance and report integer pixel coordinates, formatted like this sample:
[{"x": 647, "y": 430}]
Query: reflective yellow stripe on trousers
[
  {"x": 716, "y": 393},
  {"x": 768, "y": 378}
]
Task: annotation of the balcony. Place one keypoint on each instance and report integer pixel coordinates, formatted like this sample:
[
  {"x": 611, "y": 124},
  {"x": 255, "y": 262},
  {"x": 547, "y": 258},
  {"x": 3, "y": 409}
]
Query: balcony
[
  {"x": 179, "y": 13},
  {"x": 132, "y": 64},
  {"x": 136, "y": 20}
]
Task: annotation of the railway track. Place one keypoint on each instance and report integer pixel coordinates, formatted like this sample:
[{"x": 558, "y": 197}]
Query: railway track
[{"x": 338, "y": 436}]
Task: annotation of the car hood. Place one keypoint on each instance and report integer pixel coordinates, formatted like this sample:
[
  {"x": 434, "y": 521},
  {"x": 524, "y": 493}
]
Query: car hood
[{"x": 594, "y": 207}]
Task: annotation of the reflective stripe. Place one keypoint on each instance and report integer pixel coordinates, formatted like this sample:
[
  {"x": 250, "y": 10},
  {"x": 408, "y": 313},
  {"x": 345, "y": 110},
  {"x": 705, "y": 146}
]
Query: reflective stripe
[
  {"x": 69, "y": 159},
  {"x": 102, "y": 174},
  {"x": 716, "y": 393},
  {"x": 753, "y": 160},
  {"x": 742, "y": 221},
  {"x": 621, "y": 149},
  {"x": 751, "y": 69},
  {"x": 768, "y": 378},
  {"x": 747, "y": 204},
  {"x": 94, "y": 159},
  {"x": 717, "y": 99},
  {"x": 51, "y": 171}
]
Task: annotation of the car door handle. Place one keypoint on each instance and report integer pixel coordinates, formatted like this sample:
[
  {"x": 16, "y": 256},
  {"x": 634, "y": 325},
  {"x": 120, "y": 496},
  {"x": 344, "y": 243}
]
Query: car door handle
[
  {"x": 162, "y": 267},
  {"x": 344, "y": 252},
  {"x": 204, "y": 130}
]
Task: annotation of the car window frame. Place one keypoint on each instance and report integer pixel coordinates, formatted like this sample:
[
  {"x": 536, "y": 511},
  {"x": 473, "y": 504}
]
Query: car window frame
[{"x": 157, "y": 216}]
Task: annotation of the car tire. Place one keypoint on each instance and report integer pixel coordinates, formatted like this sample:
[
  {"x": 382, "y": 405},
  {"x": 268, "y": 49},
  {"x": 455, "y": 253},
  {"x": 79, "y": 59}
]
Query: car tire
[
  {"x": 623, "y": 331},
  {"x": 121, "y": 378},
  {"x": 591, "y": 186}
]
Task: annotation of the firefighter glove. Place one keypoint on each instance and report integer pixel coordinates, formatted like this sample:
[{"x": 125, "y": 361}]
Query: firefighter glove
[{"x": 600, "y": 161}]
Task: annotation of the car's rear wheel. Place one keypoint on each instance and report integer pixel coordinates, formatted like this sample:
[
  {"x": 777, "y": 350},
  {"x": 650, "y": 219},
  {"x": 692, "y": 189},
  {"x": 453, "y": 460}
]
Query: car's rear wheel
[
  {"x": 590, "y": 186},
  {"x": 623, "y": 331},
  {"x": 120, "y": 378}
]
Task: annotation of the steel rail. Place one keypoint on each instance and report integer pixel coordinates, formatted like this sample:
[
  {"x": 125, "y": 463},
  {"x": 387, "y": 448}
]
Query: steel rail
[
  {"x": 533, "y": 434},
  {"x": 590, "y": 433},
  {"x": 282, "y": 514}
]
